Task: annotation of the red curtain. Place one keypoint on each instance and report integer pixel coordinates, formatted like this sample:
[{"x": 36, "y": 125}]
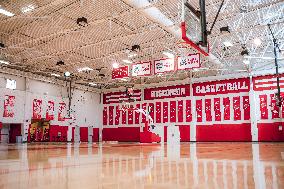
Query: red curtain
[
  {"x": 173, "y": 113},
  {"x": 199, "y": 110},
  {"x": 217, "y": 109},
  {"x": 246, "y": 108},
  {"x": 274, "y": 107},
  {"x": 226, "y": 103},
  {"x": 158, "y": 112},
  {"x": 110, "y": 110},
  {"x": 208, "y": 109},
  {"x": 263, "y": 107},
  {"x": 117, "y": 115},
  {"x": 105, "y": 116},
  {"x": 188, "y": 111},
  {"x": 137, "y": 115},
  {"x": 180, "y": 111},
  {"x": 237, "y": 107},
  {"x": 165, "y": 112}
]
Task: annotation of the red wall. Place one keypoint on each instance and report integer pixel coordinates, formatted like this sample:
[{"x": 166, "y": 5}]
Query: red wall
[
  {"x": 84, "y": 134},
  {"x": 224, "y": 132},
  {"x": 122, "y": 134},
  {"x": 53, "y": 133},
  {"x": 95, "y": 134},
  {"x": 184, "y": 133},
  {"x": 270, "y": 132}
]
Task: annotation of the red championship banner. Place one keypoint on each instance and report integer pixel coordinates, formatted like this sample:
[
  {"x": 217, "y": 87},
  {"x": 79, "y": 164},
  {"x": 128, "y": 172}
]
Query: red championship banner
[
  {"x": 164, "y": 65},
  {"x": 37, "y": 109},
  {"x": 114, "y": 97},
  {"x": 188, "y": 62},
  {"x": 221, "y": 87},
  {"x": 167, "y": 92},
  {"x": 121, "y": 72},
  {"x": 9, "y": 103},
  {"x": 141, "y": 69},
  {"x": 61, "y": 111},
  {"x": 50, "y": 110}
]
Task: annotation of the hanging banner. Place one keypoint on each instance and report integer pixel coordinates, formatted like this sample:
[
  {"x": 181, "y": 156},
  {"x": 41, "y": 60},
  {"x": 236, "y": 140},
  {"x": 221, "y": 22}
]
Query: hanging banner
[
  {"x": 61, "y": 111},
  {"x": 164, "y": 65},
  {"x": 188, "y": 62},
  {"x": 141, "y": 69},
  {"x": 269, "y": 82},
  {"x": 50, "y": 110},
  {"x": 121, "y": 72},
  {"x": 9, "y": 103},
  {"x": 221, "y": 87},
  {"x": 115, "y": 97},
  {"x": 37, "y": 109},
  {"x": 167, "y": 92}
]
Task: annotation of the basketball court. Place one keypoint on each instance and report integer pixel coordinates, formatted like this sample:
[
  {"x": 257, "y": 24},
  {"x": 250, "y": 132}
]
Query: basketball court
[{"x": 141, "y": 94}]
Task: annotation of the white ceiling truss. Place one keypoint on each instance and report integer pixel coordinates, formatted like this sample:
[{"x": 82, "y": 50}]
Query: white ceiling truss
[{"x": 35, "y": 41}]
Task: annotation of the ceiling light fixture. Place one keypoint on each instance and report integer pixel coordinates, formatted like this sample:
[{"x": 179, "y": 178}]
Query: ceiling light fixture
[
  {"x": 123, "y": 79},
  {"x": 4, "y": 62},
  {"x": 93, "y": 84},
  {"x": 228, "y": 43},
  {"x": 82, "y": 21},
  {"x": 257, "y": 41},
  {"x": 168, "y": 54},
  {"x": 127, "y": 61},
  {"x": 60, "y": 63},
  {"x": 67, "y": 74},
  {"x": 5, "y": 12},
  {"x": 54, "y": 74},
  {"x": 84, "y": 69},
  {"x": 246, "y": 62},
  {"x": 225, "y": 29},
  {"x": 115, "y": 65},
  {"x": 28, "y": 8}
]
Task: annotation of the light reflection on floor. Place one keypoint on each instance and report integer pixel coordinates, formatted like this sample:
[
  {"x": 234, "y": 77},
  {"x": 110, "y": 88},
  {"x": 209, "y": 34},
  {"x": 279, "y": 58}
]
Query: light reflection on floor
[{"x": 196, "y": 165}]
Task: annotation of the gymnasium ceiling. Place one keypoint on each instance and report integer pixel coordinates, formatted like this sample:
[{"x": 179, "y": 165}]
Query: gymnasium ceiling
[{"x": 36, "y": 40}]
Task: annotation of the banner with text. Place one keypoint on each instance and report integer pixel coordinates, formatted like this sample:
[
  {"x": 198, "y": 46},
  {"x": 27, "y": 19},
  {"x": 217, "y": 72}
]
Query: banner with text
[
  {"x": 164, "y": 65},
  {"x": 221, "y": 87},
  {"x": 9, "y": 103},
  {"x": 116, "y": 97},
  {"x": 188, "y": 62},
  {"x": 141, "y": 69},
  {"x": 121, "y": 72},
  {"x": 167, "y": 92}
]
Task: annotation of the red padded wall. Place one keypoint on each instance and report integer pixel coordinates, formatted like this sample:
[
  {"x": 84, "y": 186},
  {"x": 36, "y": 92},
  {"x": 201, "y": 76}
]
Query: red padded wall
[
  {"x": 270, "y": 132},
  {"x": 84, "y": 134},
  {"x": 54, "y": 131},
  {"x": 121, "y": 134},
  {"x": 184, "y": 133},
  {"x": 95, "y": 134},
  {"x": 224, "y": 132}
]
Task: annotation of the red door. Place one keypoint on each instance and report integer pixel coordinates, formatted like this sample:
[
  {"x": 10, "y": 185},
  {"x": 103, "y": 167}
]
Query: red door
[{"x": 84, "y": 134}]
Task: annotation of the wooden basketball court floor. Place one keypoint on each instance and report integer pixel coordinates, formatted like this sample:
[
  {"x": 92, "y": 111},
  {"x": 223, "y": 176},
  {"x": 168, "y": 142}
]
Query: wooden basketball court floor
[{"x": 133, "y": 165}]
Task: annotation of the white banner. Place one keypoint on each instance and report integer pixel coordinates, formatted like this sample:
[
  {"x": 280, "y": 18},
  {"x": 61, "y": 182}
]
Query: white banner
[
  {"x": 141, "y": 69},
  {"x": 164, "y": 65},
  {"x": 189, "y": 62}
]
